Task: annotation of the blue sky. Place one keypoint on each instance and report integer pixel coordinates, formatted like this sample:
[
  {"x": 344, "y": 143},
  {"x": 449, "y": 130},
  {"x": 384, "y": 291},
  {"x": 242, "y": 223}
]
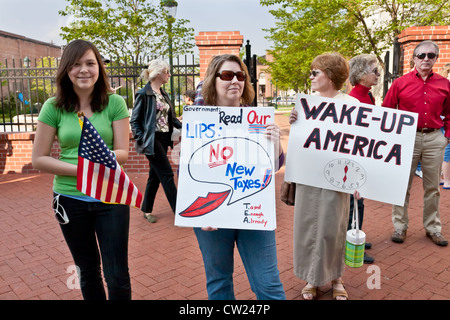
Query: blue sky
[{"x": 40, "y": 19}]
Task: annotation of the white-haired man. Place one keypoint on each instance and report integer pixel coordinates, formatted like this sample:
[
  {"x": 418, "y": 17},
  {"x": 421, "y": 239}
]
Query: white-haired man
[{"x": 428, "y": 94}]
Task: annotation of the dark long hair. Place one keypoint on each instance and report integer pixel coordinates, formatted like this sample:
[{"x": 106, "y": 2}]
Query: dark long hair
[{"x": 66, "y": 98}]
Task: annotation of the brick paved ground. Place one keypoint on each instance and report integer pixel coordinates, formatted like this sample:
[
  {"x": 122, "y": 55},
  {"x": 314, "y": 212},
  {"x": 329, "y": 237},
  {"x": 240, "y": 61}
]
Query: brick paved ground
[{"x": 165, "y": 262}]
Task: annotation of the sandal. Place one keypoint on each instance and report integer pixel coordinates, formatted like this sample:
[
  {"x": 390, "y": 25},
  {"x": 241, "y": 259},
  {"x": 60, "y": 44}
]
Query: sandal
[
  {"x": 309, "y": 291},
  {"x": 338, "y": 292}
]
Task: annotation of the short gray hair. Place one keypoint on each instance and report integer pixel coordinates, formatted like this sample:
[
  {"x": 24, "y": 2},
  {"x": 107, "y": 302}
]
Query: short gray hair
[
  {"x": 426, "y": 42},
  {"x": 155, "y": 67},
  {"x": 359, "y": 66}
]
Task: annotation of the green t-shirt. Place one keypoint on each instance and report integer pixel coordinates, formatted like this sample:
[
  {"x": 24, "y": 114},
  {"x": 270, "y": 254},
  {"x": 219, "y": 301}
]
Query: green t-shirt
[{"x": 68, "y": 131}]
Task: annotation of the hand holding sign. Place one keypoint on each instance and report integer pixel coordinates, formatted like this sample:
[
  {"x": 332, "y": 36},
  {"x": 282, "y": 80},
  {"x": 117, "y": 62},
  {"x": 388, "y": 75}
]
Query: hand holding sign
[{"x": 346, "y": 146}]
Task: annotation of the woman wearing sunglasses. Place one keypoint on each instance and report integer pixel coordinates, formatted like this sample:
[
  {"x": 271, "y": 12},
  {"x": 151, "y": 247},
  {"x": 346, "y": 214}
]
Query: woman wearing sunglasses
[
  {"x": 227, "y": 84},
  {"x": 96, "y": 232},
  {"x": 321, "y": 216},
  {"x": 152, "y": 122}
]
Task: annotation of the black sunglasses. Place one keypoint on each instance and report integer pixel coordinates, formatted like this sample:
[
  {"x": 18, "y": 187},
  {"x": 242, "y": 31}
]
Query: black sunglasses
[
  {"x": 314, "y": 73},
  {"x": 227, "y": 75},
  {"x": 430, "y": 55}
]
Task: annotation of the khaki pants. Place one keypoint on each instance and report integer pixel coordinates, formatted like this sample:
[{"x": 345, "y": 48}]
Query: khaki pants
[{"x": 429, "y": 150}]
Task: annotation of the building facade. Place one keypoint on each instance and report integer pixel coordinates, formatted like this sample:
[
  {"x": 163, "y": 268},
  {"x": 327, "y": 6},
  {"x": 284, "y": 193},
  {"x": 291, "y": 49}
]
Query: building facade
[{"x": 15, "y": 48}]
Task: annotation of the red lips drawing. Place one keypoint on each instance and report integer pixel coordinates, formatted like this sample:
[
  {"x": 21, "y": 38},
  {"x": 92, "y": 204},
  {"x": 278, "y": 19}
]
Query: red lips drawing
[{"x": 204, "y": 205}]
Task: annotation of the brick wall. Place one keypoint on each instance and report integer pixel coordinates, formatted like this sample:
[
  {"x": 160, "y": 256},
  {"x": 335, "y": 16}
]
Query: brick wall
[
  {"x": 410, "y": 37},
  {"x": 15, "y": 155},
  {"x": 13, "y": 46},
  {"x": 212, "y": 43},
  {"x": 15, "y": 152}
]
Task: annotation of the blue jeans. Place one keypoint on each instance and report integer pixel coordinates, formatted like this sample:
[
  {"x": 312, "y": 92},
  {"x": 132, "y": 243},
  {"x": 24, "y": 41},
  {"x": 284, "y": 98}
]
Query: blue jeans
[
  {"x": 258, "y": 253},
  {"x": 108, "y": 224},
  {"x": 447, "y": 149}
]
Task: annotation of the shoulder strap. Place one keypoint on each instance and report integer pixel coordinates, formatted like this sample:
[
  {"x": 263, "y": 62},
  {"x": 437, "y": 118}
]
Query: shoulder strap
[{"x": 371, "y": 97}]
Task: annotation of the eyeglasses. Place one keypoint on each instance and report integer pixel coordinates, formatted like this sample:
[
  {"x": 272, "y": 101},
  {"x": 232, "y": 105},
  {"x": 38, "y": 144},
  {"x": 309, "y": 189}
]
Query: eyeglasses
[
  {"x": 60, "y": 213},
  {"x": 430, "y": 55},
  {"x": 227, "y": 75},
  {"x": 314, "y": 73},
  {"x": 375, "y": 71}
]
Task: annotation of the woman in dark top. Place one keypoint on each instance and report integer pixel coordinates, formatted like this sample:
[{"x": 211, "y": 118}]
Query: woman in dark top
[{"x": 152, "y": 123}]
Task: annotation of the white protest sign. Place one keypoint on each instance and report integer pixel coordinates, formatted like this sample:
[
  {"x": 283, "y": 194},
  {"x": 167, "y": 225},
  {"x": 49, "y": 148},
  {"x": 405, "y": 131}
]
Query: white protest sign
[
  {"x": 347, "y": 146},
  {"x": 226, "y": 172}
]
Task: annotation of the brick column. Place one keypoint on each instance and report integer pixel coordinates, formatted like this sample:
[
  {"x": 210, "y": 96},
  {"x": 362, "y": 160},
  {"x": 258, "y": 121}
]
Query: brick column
[
  {"x": 410, "y": 37},
  {"x": 212, "y": 43}
]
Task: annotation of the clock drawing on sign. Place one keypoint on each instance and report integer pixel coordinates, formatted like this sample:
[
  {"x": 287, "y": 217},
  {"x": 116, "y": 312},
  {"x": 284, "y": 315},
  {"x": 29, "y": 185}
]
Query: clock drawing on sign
[{"x": 345, "y": 174}]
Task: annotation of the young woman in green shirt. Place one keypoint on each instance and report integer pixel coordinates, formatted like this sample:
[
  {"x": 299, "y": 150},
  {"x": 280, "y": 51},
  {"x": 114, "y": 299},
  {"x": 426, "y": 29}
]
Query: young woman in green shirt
[{"x": 82, "y": 86}]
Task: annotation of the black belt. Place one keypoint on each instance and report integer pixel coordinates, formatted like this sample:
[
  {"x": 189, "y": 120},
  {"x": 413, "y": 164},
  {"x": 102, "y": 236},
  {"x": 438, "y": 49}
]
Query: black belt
[{"x": 426, "y": 130}]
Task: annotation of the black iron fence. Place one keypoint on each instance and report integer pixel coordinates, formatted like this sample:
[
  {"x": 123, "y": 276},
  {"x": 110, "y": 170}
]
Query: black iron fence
[{"x": 26, "y": 85}]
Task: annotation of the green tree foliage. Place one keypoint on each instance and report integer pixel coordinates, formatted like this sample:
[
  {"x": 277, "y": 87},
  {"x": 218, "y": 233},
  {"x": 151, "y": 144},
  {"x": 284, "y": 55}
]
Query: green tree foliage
[
  {"x": 306, "y": 28},
  {"x": 126, "y": 30}
]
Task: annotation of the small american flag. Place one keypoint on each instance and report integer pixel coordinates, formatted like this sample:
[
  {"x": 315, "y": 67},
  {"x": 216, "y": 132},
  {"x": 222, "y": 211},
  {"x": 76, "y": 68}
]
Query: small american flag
[{"x": 99, "y": 175}]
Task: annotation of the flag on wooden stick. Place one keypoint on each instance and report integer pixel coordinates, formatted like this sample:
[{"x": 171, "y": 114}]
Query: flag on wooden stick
[{"x": 99, "y": 175}]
